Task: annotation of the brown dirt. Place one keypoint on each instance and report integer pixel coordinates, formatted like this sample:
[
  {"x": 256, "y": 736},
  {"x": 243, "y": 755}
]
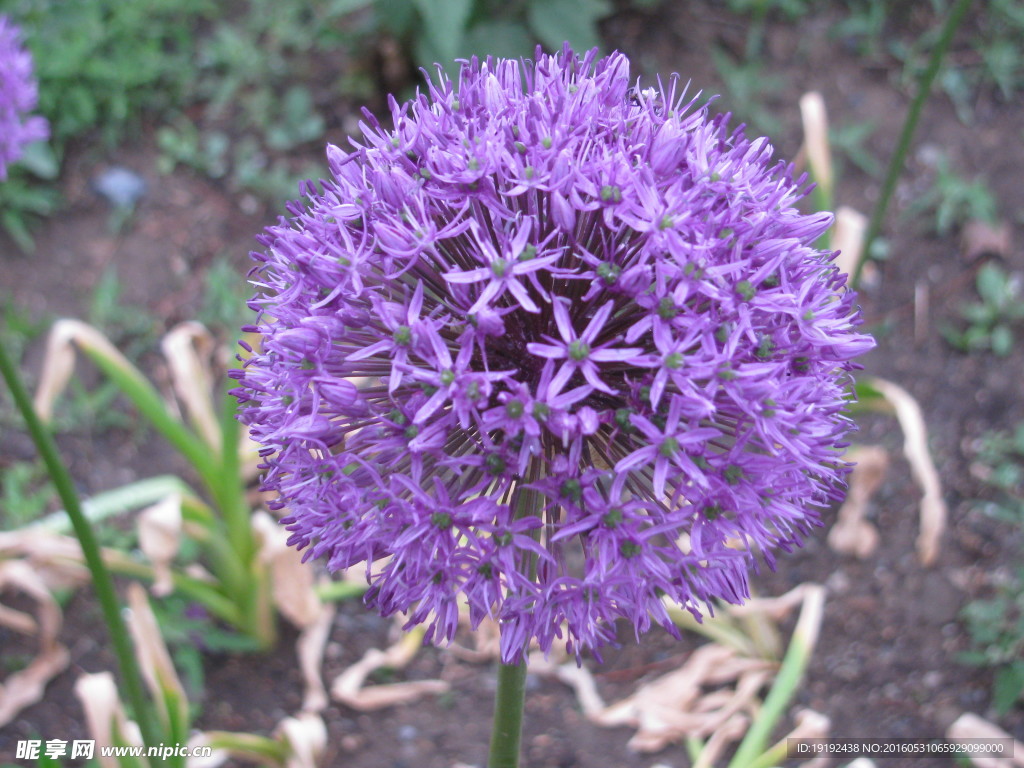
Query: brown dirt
[{"x": 885, "y": 665}]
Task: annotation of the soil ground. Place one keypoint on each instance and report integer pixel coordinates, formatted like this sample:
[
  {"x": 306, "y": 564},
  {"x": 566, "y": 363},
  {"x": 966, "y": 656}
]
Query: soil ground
[{"x": 886, "y": 664}]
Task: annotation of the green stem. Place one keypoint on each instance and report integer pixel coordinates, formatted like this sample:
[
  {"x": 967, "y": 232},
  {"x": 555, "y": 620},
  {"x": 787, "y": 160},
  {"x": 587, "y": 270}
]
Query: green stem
[
  {"x": 102, "y": 583},
  {"x": 508, "y": 716},
  {"x": 231, "y": 489},
  {"x": 924, "y": 87},
  {"x": 253, "y": 594},
  {"x": 511, "y": 694},
  {"x": 801, "y": 646}
]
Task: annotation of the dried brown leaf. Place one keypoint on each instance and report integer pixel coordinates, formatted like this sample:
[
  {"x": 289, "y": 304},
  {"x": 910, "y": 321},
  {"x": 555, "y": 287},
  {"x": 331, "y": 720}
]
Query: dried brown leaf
[
  {"x": 970, "y": 726},
  {"x": 348, "y": 687},
  {"x": 306, "y": 737},
  {"x": 188, "y": 348},
  {"x": 26, "y": 687},
  {"x": 669, "y": 708},
  {"x": 159, "y": 528},
  {"x": 486, "y": 640},
  {"x": 19, "y": 621},
  {"x": 310, "y": 650},
  {"x": 848, "y": 238},
  {"x": 292, "y": 582},
  {"x": 853, "y": 534},
  {"x": 374, "y": 697},
  {"x": 915, "y": 448},
  {"x": 582, "y": 682},
  {"x": 104, "y": 715},
  {"x": 730, "y": 731},
  {"x": 819, "y": 154},
  {"x": 809, "y": 725},
  {"x": 56, "y": 559},
  {"x": 775, "y": 608},
  {"x": 59, "y": 363},
  {"x": 691, "y": 701},
  {"x": 980, "y": 238},
  {"x": 151, "y": 652}
]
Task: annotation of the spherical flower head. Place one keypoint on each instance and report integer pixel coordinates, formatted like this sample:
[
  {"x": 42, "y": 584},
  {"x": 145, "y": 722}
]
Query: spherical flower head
[
  {"x": 18, "y": 97},
  {"x": 553, "y": 347}
]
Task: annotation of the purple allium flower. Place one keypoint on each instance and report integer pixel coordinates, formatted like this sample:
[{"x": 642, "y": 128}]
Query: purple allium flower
[
  {"x": 553, "y": 346},
  {"x": 18, "y": 97}
]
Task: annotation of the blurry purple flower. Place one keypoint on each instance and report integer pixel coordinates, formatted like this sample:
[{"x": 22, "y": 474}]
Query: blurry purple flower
[
  {"x": 596, "y": 359},
  {"x": 18, "y": 97}
]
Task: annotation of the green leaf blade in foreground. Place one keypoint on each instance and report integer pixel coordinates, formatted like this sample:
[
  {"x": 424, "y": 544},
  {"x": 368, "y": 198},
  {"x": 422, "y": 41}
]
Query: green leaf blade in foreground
[{"x": 145, "y": 397}]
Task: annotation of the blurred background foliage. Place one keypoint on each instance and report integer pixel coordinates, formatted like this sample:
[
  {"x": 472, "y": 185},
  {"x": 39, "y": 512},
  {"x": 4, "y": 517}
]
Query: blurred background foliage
[{"x": 230, "y": 87}]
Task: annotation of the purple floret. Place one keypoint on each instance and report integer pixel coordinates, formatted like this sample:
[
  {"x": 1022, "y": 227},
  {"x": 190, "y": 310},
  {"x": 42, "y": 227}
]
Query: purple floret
[
  {"x": 18, "y": 97},
  {"x": 553, "y": 346}
]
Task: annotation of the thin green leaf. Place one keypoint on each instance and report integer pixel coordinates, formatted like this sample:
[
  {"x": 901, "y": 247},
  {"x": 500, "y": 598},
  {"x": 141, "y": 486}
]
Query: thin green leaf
[
  {"x": 145, "y": 397},
  {"x": 574, "y": 21},
  {"x": 14, "y": 224},
  {"x": 1002, "y": 340},
  {"x": 505, "y": 39},
  {"x": 118, "y": 501},
  {"x": 991, "y": 284},
  {"x": 444, "y": 24},
  {"x": 1008, "y": 687},
  {"x": 39, "y": 159}
]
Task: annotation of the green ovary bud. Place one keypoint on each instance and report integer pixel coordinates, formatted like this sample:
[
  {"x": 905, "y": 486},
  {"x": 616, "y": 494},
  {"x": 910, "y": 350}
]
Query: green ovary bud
[
  {"x": 612, "y": 518},
  {"x": 733, "y": 474},
  {"x": 629, "y": 549},
  {"x": 578, "y": 350},
  {"x": 611, "y": 194},
  {"x": 402, "y": 335},
  {"x": 572, "y": 489},
  {"x": 608, "y": 272},
  {"x": 668, "y": 448},
  {"x": 667, "y": 308},
  {"x": 622, "y": 419}
]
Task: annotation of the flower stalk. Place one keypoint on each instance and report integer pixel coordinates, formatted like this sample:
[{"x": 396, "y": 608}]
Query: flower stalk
[
  {"x": 896, "y": 163},
  {"x": 102, "y": 582},
  {"x": 509, "y": 702}
]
